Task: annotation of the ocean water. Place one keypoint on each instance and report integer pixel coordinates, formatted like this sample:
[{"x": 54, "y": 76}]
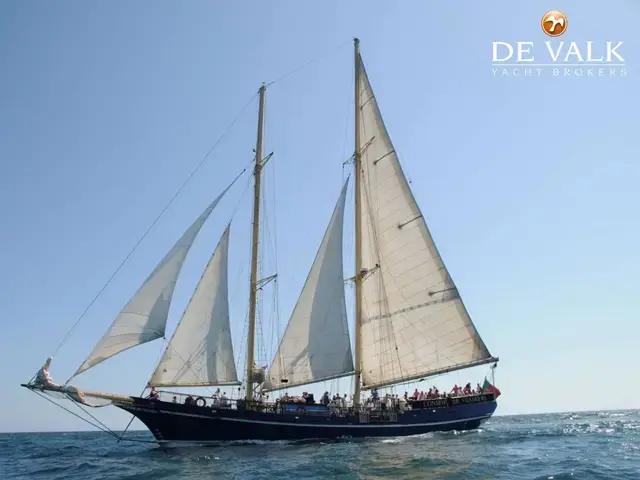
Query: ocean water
[{"x": 595, "y": 445}]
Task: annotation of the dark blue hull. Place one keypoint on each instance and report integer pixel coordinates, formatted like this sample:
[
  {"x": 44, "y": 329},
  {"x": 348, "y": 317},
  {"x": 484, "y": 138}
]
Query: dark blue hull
[{"x": 177, "y": 422}]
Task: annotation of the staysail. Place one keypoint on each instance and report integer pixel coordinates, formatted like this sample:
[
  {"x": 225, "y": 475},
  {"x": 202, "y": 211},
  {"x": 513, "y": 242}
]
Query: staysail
[
  {"x": 414, "y": 322},
  {"x": 144, "y": 318},
  {"x": 316, "y": 344},
  {"x": 200, "y": 352}
]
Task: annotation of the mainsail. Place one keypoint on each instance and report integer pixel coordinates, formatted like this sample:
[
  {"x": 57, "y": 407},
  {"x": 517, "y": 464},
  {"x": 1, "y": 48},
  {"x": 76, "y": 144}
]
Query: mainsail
[
  {"x": 200, "y": 352},
  {"x": 414, "y": 323},
  {"x": 316, "y": 343},
  {"x": 144, "y": 318}
]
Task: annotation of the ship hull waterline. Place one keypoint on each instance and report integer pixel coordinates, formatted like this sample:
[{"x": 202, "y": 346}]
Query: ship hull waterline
[{"x": 172, "y": 422}]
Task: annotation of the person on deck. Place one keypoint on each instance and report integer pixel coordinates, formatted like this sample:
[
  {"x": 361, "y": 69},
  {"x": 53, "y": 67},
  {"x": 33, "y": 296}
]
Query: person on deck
[
  {"x": 455, "y": 390},
  {"x": 478, "y": 389},
  {"x": 467, "y": 389},
  {"x": 153, "y": 394},
  {"x": 416, "y": 394}
]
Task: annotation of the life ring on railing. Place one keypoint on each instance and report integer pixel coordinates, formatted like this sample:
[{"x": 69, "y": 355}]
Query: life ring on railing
[{"x": 204, "y": 402}]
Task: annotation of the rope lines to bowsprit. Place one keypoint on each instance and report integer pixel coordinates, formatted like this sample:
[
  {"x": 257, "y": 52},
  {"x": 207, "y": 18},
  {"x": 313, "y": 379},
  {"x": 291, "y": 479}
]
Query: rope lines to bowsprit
[
  {"x": 157, "y": 219},
  {"x": 98, "y": 425},
  {"x": 120, "y": 438}
]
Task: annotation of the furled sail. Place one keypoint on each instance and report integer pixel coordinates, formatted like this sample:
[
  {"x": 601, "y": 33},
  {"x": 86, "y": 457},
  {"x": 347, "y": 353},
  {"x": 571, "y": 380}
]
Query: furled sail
[
  {"x": 316, "y": 344},
  {"x": 200, "y": 352},
  {"x": 414, "y": 322},
  {"x": 144, "y": 318}
]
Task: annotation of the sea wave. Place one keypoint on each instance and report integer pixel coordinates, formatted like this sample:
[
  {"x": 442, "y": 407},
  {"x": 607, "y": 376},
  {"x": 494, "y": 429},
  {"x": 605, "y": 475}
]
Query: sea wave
[{"x": 596, "y": 445}]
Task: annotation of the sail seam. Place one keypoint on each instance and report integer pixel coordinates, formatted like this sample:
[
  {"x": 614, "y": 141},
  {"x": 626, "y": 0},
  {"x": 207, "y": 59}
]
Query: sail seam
[
  {"x": 366, "y": 145},
  {"x": 375, "y": 162},
  {"x": 367, "y": 101},
  {"x": 437, "y": 340},
  {"x": 452, "y": 346},
  {"x": 400, "y": 225},
  {"x": 453, "y": 368},
  {"x": 412, "y": 308}
]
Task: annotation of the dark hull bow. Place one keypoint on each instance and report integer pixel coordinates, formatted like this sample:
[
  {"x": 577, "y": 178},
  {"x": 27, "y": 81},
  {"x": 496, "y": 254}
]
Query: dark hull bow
[{"x": 171, "y": 422}]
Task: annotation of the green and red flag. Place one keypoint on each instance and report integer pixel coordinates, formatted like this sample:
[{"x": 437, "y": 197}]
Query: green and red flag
[{"x": 488, "y": 388}]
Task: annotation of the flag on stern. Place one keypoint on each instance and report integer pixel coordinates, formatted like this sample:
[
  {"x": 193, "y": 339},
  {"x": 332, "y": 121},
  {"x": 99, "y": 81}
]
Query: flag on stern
[{"x": 488, "y": 388}]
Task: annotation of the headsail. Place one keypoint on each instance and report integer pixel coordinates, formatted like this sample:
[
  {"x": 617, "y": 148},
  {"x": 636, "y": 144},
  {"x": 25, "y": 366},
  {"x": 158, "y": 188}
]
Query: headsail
[
  {"x": 144, "y": 318},
  {"x": 414, "y": 323},
  {"x": 200, "y": 352},
  {"x": 316, "y": 343}
]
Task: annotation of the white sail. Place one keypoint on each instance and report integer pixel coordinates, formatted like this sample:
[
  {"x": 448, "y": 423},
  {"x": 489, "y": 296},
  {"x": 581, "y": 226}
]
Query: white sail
[
  {"x": 316, "y": 344},
  {"x": 144, "y": 318},
  {"x": 200, "y": 352},
  {"x": 414, "y": 323}
]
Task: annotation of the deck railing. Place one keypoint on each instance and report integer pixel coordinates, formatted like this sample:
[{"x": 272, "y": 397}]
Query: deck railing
[{"x": 378, "y": 410}]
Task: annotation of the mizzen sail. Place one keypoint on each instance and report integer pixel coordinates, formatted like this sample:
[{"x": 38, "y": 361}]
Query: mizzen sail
[
  {"x": 200, "y": 352},
  {"x": 414, "y": 322},
  {"x": 316, "y": 344},
  {"x": 144, "y": 318}
]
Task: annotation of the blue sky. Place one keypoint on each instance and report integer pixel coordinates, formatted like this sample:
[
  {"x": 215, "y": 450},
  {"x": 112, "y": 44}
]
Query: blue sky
[{"x": 529, "y": 185}]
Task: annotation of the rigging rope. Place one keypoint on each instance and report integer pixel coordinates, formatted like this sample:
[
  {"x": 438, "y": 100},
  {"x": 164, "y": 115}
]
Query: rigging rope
[
  {"x": 162, "y": 212},
  {"x": 102, "y": 427},
  {"x": 75, "y": 414},
  {"x": 304, "y": 65}
]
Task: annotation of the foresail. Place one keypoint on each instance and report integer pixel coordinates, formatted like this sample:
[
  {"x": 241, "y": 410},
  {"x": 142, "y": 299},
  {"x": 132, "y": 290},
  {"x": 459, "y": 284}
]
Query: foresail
[
  {"x": 200, "y": 352},
  {"x": 144, "y": 318},
  {"x": 316, "y": 343},
  {"x": 414, "y": 322}
]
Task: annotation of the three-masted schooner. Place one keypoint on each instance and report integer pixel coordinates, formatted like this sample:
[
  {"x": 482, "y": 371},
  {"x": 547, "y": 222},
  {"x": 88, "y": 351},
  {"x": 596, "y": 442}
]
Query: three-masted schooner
[{"x": 410, "y": 322}]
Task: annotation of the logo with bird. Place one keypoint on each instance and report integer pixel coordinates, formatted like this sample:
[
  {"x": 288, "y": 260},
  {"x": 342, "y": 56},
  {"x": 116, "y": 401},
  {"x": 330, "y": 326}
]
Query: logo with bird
[{"x": 554, "y": 23}]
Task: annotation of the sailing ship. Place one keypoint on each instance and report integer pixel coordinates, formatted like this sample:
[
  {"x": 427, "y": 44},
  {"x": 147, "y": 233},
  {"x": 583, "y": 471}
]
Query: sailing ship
[{"x": 410, "y": 322}]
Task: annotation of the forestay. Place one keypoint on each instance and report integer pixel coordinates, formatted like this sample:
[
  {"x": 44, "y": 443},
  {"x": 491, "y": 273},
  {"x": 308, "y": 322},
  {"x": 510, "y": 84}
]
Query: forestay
[
  {"x": 316, "y": 343},
  {"x": 200, "y": 352},
  {"x": 144, "y": 318},
  {"x": 414, "y": 323}
]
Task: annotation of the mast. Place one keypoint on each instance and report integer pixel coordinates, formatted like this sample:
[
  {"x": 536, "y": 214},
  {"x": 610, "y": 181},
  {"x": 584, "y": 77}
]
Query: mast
[
  {"x": 253, "y": 282},
  {"x": 358, "y": 233}
]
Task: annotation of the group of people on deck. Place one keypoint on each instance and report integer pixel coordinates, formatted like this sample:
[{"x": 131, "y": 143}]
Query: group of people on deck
[
  {"x": 219, "y": 399},
  {"x": 433, "y": 392},
  {"x": 338, "y": 400},
  {"x": 390, "y": 401}
]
